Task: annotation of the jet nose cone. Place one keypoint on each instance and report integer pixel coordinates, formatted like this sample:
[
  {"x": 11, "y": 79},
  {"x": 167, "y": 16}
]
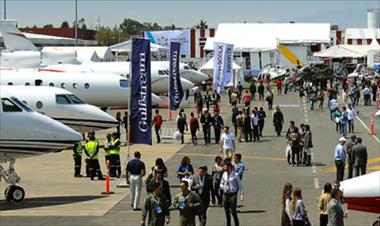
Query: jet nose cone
[
  {"x": 194, "y": 76},
  {"x": 186, "y": 84},
  {"x": 64, "y": 133},
  {"x": 156, "y": 99}
]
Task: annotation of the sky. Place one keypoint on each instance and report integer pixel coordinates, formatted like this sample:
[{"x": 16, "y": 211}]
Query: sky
[{"x": 183, "y": 13}]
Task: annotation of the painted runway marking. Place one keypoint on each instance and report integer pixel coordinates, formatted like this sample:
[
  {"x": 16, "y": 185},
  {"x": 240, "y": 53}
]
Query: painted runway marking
[
  {"x": 316, "y": 183},
  {"x": 314, "y": 169}
]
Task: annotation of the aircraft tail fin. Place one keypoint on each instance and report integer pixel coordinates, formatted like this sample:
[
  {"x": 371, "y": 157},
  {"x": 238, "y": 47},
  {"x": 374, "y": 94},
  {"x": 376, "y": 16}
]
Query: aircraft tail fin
[{"x": 14, "y": 39}]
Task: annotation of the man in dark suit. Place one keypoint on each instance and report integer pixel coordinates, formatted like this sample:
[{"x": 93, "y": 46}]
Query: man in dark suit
[
  {"x": 292, "y": 129},
  {"x": 206, "y": 121},
  {"x": 202, "y": 184},
  {"x": 349, "y": 146},
  {"x": 360, "y": 157},
  {"x": 165, "y": 188}
]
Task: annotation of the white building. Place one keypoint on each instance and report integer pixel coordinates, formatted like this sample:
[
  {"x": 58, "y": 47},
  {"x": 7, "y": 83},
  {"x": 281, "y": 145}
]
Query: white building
[{"x": 259, "y": 44}]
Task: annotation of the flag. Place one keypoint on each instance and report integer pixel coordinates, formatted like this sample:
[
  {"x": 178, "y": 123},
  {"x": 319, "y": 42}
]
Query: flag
[
  {"x": 223, "y": 56},
  {"x": 176, "y": 91},
  {"x": 141, "y": 94}
]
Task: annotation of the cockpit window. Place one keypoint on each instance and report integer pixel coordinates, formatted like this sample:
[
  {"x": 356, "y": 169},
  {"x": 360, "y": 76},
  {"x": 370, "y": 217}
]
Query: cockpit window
[
  {"x": 74, "y": 99},
  {"x": 124, "y": 83},
  {"x": 21, "y": 104},
  {"x": 161, "y": 72},
  {"x": 68, "y": 99},
  {"x": 9, "y": 106},
  {"x": 166, "y": 72},
  {"x": 186, "y": 67},
  {"x": 62, "y": 99}
]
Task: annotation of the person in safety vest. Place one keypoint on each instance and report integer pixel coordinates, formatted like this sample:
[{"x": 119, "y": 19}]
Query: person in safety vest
[
  {"x": 77, "y": 155},
  {"x": 92, "y": 152},
  {"x": 114, "y": 156},
  {"x": 107, "y": 147}
]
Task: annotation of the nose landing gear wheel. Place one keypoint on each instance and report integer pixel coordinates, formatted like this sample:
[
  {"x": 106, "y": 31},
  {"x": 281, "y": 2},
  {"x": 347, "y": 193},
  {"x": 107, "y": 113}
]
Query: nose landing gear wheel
[{"x": 14, "y": 193}]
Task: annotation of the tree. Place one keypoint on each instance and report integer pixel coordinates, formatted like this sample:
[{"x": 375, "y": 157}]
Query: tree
[
  {"x": 65, "y": 24},
  {"x": 48, "y": 26},
  {"x": 106, "y": 36},
  {"x": 202, "y": 24},
  {"x": 82, "y": 24},
  {"x": 131, "y": 27}
]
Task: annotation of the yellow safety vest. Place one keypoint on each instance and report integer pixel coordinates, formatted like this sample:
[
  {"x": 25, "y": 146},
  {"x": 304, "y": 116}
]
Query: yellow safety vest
[
  {"x": 91, "y": 147},
  {"x": 108, "y": 144},
  {"x": 79, "y": 149},
  {"x": 115, "y": 150}
]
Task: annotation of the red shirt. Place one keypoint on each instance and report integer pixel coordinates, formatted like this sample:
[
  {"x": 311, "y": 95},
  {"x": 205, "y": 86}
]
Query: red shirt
[
  {"x": 157, "y": 120},
  {"x": 279, "y": 83}
]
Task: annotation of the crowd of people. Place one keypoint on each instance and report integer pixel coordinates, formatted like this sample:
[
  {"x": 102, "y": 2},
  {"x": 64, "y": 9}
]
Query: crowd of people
[
  {"x": 198, "y": 190},
  {"x": 222, "y": 185}
]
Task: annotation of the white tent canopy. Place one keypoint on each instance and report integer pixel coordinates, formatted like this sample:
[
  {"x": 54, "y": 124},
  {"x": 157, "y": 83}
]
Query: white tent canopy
[
  {"x": 210, "y": 65},
  {"x": 93, "y": 53},
  {"x": 126, "y": 47},
  {"x": 261, "y": 37},
  {"x": 354, "y": 51}
]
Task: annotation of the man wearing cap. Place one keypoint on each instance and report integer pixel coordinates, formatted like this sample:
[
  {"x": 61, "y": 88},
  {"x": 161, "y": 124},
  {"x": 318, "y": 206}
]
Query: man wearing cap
[{"x": 340, "y": 159}]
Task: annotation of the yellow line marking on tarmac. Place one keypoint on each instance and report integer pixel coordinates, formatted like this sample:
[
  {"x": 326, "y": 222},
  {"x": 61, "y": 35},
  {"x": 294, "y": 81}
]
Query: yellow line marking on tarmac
[
  {"x": 212, "y": 155},
  {"x": 332, "y": 169}
]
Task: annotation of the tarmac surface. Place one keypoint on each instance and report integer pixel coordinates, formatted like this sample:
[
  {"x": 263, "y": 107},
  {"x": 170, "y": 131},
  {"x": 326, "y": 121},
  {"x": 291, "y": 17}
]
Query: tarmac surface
[{"x": 54, "y": 197}]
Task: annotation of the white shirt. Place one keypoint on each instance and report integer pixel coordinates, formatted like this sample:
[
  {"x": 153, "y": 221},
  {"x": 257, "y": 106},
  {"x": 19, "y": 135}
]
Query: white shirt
[
  {"x": 254, "y": 120},
  {"x": 231, "y": 183},
  {"x": 227, "y": 140},
  {"x": 351, "y": 114}
]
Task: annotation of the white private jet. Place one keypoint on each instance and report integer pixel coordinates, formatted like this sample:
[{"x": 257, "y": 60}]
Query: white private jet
[
  {"x": 185, "y": 71},
  {"x": 22, "y": 53},
  {"x": 63, "y": 106},
  {"x": 100, "y": 89},
  {"x": 25, "y": 133},
  {"x": 159, "y": 73},
  {"x": 363, "y": 193}
]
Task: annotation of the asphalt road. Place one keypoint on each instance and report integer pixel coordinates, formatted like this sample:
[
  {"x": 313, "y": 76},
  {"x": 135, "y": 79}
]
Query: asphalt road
[{"x": 266, "y": 173}]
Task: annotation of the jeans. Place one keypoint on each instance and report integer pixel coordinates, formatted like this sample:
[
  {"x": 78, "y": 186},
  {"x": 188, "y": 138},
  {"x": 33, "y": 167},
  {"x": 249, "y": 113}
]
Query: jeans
[
  {"x": 339, "y": 169},
  {"x": 136, "y": 184},
  {"x": 230, "y": 205},
  {"x": 194, "y": 136},
  {"x": 344, "y": 129},
  {"x": 157, "y": 130},
  {"x": 351, "y": 126}
]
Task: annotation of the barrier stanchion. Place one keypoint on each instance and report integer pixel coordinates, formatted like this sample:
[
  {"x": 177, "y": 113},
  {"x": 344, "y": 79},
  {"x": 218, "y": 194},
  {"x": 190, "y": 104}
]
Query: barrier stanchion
[
  {"x": 372, "y": 126},
  {"x": 107, "y": 192}
]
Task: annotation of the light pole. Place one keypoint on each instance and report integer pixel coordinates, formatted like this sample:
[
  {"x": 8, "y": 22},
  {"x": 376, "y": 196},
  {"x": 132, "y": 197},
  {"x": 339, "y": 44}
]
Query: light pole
[
  {"x": 76, "y": 22},
  {"x": 5, "y": 9}
]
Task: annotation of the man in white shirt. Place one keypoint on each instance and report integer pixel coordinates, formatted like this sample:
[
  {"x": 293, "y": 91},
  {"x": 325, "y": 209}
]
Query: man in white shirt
[
  {"x": 333, "y": 104},
  {"x": 255, "y": 125},
  {"x": 227, "y": 143},
  {"x": 231, "y": 185},
  {"x": 351, "y": 114}
]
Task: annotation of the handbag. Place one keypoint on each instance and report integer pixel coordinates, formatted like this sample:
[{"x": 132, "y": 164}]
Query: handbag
[{"x": 288, "y": 150}]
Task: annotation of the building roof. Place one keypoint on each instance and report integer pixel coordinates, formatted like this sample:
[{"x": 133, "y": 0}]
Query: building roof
[
  {"x": 258, "y": 37},
  {"x": 362, "y": 33},
  {"x": 354, "y": 51}
]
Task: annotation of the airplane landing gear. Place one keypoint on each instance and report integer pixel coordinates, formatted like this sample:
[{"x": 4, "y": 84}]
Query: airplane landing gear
[{"x": 12, "y": 192}]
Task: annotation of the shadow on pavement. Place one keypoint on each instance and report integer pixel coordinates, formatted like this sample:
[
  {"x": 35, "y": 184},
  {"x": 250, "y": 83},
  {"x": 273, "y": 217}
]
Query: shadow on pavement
[
  {"x": 251, "y": 211},
  {"x": 46, "y": 201},
  {"x": 318, "y": 164}
]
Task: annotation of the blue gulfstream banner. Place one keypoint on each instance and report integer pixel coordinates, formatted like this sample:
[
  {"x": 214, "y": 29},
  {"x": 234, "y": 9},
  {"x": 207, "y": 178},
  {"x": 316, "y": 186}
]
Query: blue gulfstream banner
[
  {"x": 176, "y": 91},
  {"x": 141, "y": 94},
  {"x": 223, "y": 56}
]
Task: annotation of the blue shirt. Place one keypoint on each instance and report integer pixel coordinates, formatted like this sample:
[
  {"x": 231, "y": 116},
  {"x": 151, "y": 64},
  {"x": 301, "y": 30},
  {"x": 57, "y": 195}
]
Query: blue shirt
[
  {"x": 183, "y": 169},
  {"x": 135, "y": 166},
  {"x": 239, "y": 169},
  {"x": 340, "y": 153}
]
